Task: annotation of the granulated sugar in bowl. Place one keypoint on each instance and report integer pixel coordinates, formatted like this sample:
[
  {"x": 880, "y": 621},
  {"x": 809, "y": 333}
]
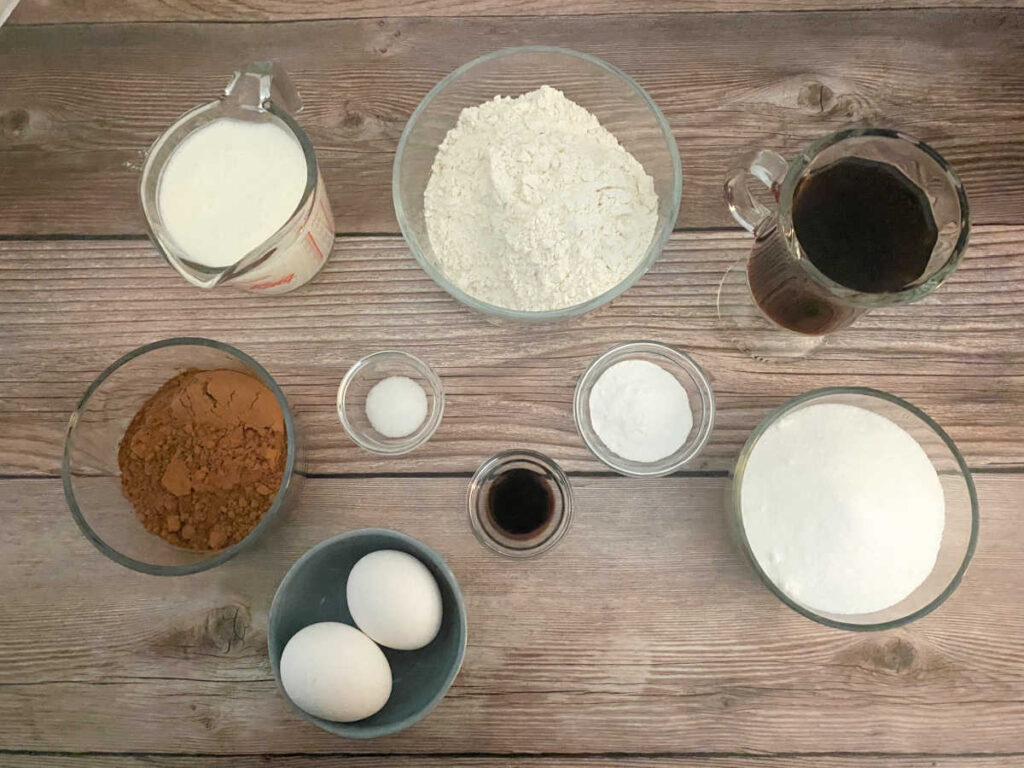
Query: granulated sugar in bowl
[{"x": 855, "y": 508}]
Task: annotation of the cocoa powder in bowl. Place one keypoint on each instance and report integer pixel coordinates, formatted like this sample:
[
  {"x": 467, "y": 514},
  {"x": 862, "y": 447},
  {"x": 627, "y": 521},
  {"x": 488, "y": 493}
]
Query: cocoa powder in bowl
[{"x": 203, "y": 459}]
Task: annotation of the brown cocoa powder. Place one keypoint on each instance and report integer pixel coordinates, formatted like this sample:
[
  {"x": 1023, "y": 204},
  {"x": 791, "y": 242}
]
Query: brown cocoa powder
[{"x": 202, "y": 460}]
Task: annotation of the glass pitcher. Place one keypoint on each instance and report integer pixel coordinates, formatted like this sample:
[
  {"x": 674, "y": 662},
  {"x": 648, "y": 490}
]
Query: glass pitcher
[
  {"x": 261, "y": 92},
  {"x": 776, "y": 302}
]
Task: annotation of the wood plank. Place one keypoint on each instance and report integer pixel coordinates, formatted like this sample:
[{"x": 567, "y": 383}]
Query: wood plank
[
  {"x": 69, "y": 309},
  {"x": 81, "y": 103},
  {"x": 642, "y": 632},
  {"x": 86, "y": 11},
  {"x": 507, "y": 761}
]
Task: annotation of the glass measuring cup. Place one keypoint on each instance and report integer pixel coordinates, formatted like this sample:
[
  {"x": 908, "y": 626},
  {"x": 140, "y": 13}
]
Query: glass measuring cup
[
  {"x": 261, "y": 92},
  {"x": 776, "y": 303}
]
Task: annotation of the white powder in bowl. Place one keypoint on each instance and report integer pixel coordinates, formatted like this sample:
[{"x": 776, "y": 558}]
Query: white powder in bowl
[
  {"x": 396, "y": 406},
  {"x": 533, "y": 205},
  {"x": 842, "y": 509},
  {"x": 640, "y": 411}
]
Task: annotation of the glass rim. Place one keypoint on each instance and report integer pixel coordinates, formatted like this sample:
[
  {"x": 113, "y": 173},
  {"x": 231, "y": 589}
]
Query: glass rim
[
  {"x": 912, "y": 293},
  {"x": 564, "y": 487},
  {"x": 652, "y": 253},
  {"x": 625, "y": 350},
  {"x": 736, "y": 508},
  {"x": 220, "y": 556},
  {"x": 410, "y": 442},
  {"x": 161, "y": 237}
]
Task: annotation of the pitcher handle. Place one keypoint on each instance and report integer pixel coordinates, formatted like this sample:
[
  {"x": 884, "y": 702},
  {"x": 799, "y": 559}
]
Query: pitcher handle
[
  {"x": 770, "y": 169},
  {"x": 260, "y": 82}
]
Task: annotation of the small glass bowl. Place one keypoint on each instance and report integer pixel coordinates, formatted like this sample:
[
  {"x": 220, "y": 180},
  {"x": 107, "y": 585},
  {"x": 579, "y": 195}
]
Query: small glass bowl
[
  {"x": 618, "y": 102},
  {"x": 92, "y": 477},
  {"x": 687, "y": 373},
  {"x": 959, "y": 535},
  {"x": 488, "y": 534},
  {"x": 363, "y": 376}
]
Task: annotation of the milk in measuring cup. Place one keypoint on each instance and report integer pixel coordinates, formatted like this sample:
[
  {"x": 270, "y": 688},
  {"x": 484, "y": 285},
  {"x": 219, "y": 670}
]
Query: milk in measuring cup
[
  {"x": 232, "y": 192},
  {"x": 228, "y": 187}
]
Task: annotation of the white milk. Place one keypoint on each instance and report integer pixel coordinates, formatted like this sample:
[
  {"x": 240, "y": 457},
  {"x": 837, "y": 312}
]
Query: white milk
[
  {"x": 229, "y": 186},
  {"x": 842, "y": 509}
]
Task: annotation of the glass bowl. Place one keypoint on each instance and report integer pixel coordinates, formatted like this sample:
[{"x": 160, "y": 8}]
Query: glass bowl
[
  {"x": 619, "y": 103},
  {"x": 489, "y": 534},
  {"x": 362, "y": 377},
  {"x": 687, "y": 373},
  {"x": 90, "y": 472},
  {"x": 959, "y": 536}
]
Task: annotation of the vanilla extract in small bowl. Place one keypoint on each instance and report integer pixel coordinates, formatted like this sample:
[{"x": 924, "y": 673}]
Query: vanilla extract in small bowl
[{"x": 520, "y": 503}]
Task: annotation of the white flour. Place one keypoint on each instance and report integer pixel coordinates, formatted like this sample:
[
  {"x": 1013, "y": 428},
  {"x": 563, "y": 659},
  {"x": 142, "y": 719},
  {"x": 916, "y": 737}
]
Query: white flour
[
  {"x": 842, "y": 508},
  {"x": 532, "y": 205}
]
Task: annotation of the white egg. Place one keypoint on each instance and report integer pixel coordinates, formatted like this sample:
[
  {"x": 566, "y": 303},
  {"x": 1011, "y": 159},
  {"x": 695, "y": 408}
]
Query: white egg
[
  {"x": 334, "y": 671},
  {"x": 394, "y": 599}
]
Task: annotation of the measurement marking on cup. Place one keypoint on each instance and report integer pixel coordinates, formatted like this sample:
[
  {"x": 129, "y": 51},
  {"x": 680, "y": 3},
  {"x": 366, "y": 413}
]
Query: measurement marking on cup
[
  {"x": 316, "y": 247},
  {"x": 272, "y": 283}
]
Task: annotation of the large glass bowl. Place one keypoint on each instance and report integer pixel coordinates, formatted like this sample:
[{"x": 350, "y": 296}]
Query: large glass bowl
[
  {"x": 959, "y": 536},
  {"x": 618, "y": 102},
  {"x": 92, "y": 478}
]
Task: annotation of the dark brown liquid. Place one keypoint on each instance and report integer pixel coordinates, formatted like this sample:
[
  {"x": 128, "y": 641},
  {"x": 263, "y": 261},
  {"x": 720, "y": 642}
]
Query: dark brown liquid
[
  {"x": 521, "y": 503},
  {"x": 863, "y": 224}
]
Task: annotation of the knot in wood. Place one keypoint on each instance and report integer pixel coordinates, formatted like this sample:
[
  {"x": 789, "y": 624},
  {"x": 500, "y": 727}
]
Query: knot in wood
[
  {"x": 896, "y": 655},
  {"x": 13, "y": 123},
  {"x": 816, "y": 97}
]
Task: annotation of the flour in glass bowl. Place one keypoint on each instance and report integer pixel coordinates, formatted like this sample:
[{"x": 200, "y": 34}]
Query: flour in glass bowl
[{"x": 532, "y": 205}]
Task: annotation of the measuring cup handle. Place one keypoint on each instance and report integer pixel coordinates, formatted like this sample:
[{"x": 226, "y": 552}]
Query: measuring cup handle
[
  {"x": 770, "y": 169},
  {"x": 260, "y": 82}
]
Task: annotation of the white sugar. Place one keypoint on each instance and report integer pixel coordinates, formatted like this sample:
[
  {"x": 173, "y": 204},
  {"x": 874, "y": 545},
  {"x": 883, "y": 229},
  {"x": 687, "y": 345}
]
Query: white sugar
[{"x": 842, "y": 508}]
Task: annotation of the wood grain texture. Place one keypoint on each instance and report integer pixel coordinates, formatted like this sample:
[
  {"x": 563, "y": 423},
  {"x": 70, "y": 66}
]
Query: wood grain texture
[
  {"x": 83, "y": 11},
  {"x": 69, "y": 309},
  {"x": 645, "y": 614},
  {"x": 507, "y": 761},
  {"x": 80, "y": 104}
]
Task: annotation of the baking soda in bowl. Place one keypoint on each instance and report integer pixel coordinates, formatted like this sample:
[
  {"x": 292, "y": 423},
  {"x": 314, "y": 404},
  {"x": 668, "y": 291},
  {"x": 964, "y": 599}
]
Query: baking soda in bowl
[
  {"x": 232, "y": 192},
  {"x": 842, "y": 509},
  {"x": 640, "y": 411}
]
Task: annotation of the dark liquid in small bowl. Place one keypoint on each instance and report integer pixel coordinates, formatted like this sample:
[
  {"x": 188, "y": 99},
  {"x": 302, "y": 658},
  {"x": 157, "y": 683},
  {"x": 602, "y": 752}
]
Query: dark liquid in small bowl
[{"x": 521, "y": 503}]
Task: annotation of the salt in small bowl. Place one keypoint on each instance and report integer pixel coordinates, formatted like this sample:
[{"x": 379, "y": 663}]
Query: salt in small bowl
[{"x": 363, "y": 376}]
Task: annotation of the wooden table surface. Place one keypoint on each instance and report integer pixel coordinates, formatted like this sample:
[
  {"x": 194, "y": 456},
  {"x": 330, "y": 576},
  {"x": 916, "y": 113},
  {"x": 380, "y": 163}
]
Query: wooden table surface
[{"x": 643, "y": 640}]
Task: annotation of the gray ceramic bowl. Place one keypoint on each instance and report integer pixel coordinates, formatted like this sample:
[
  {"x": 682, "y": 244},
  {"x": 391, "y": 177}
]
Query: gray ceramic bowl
[{"x": 314, "y": 590}]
